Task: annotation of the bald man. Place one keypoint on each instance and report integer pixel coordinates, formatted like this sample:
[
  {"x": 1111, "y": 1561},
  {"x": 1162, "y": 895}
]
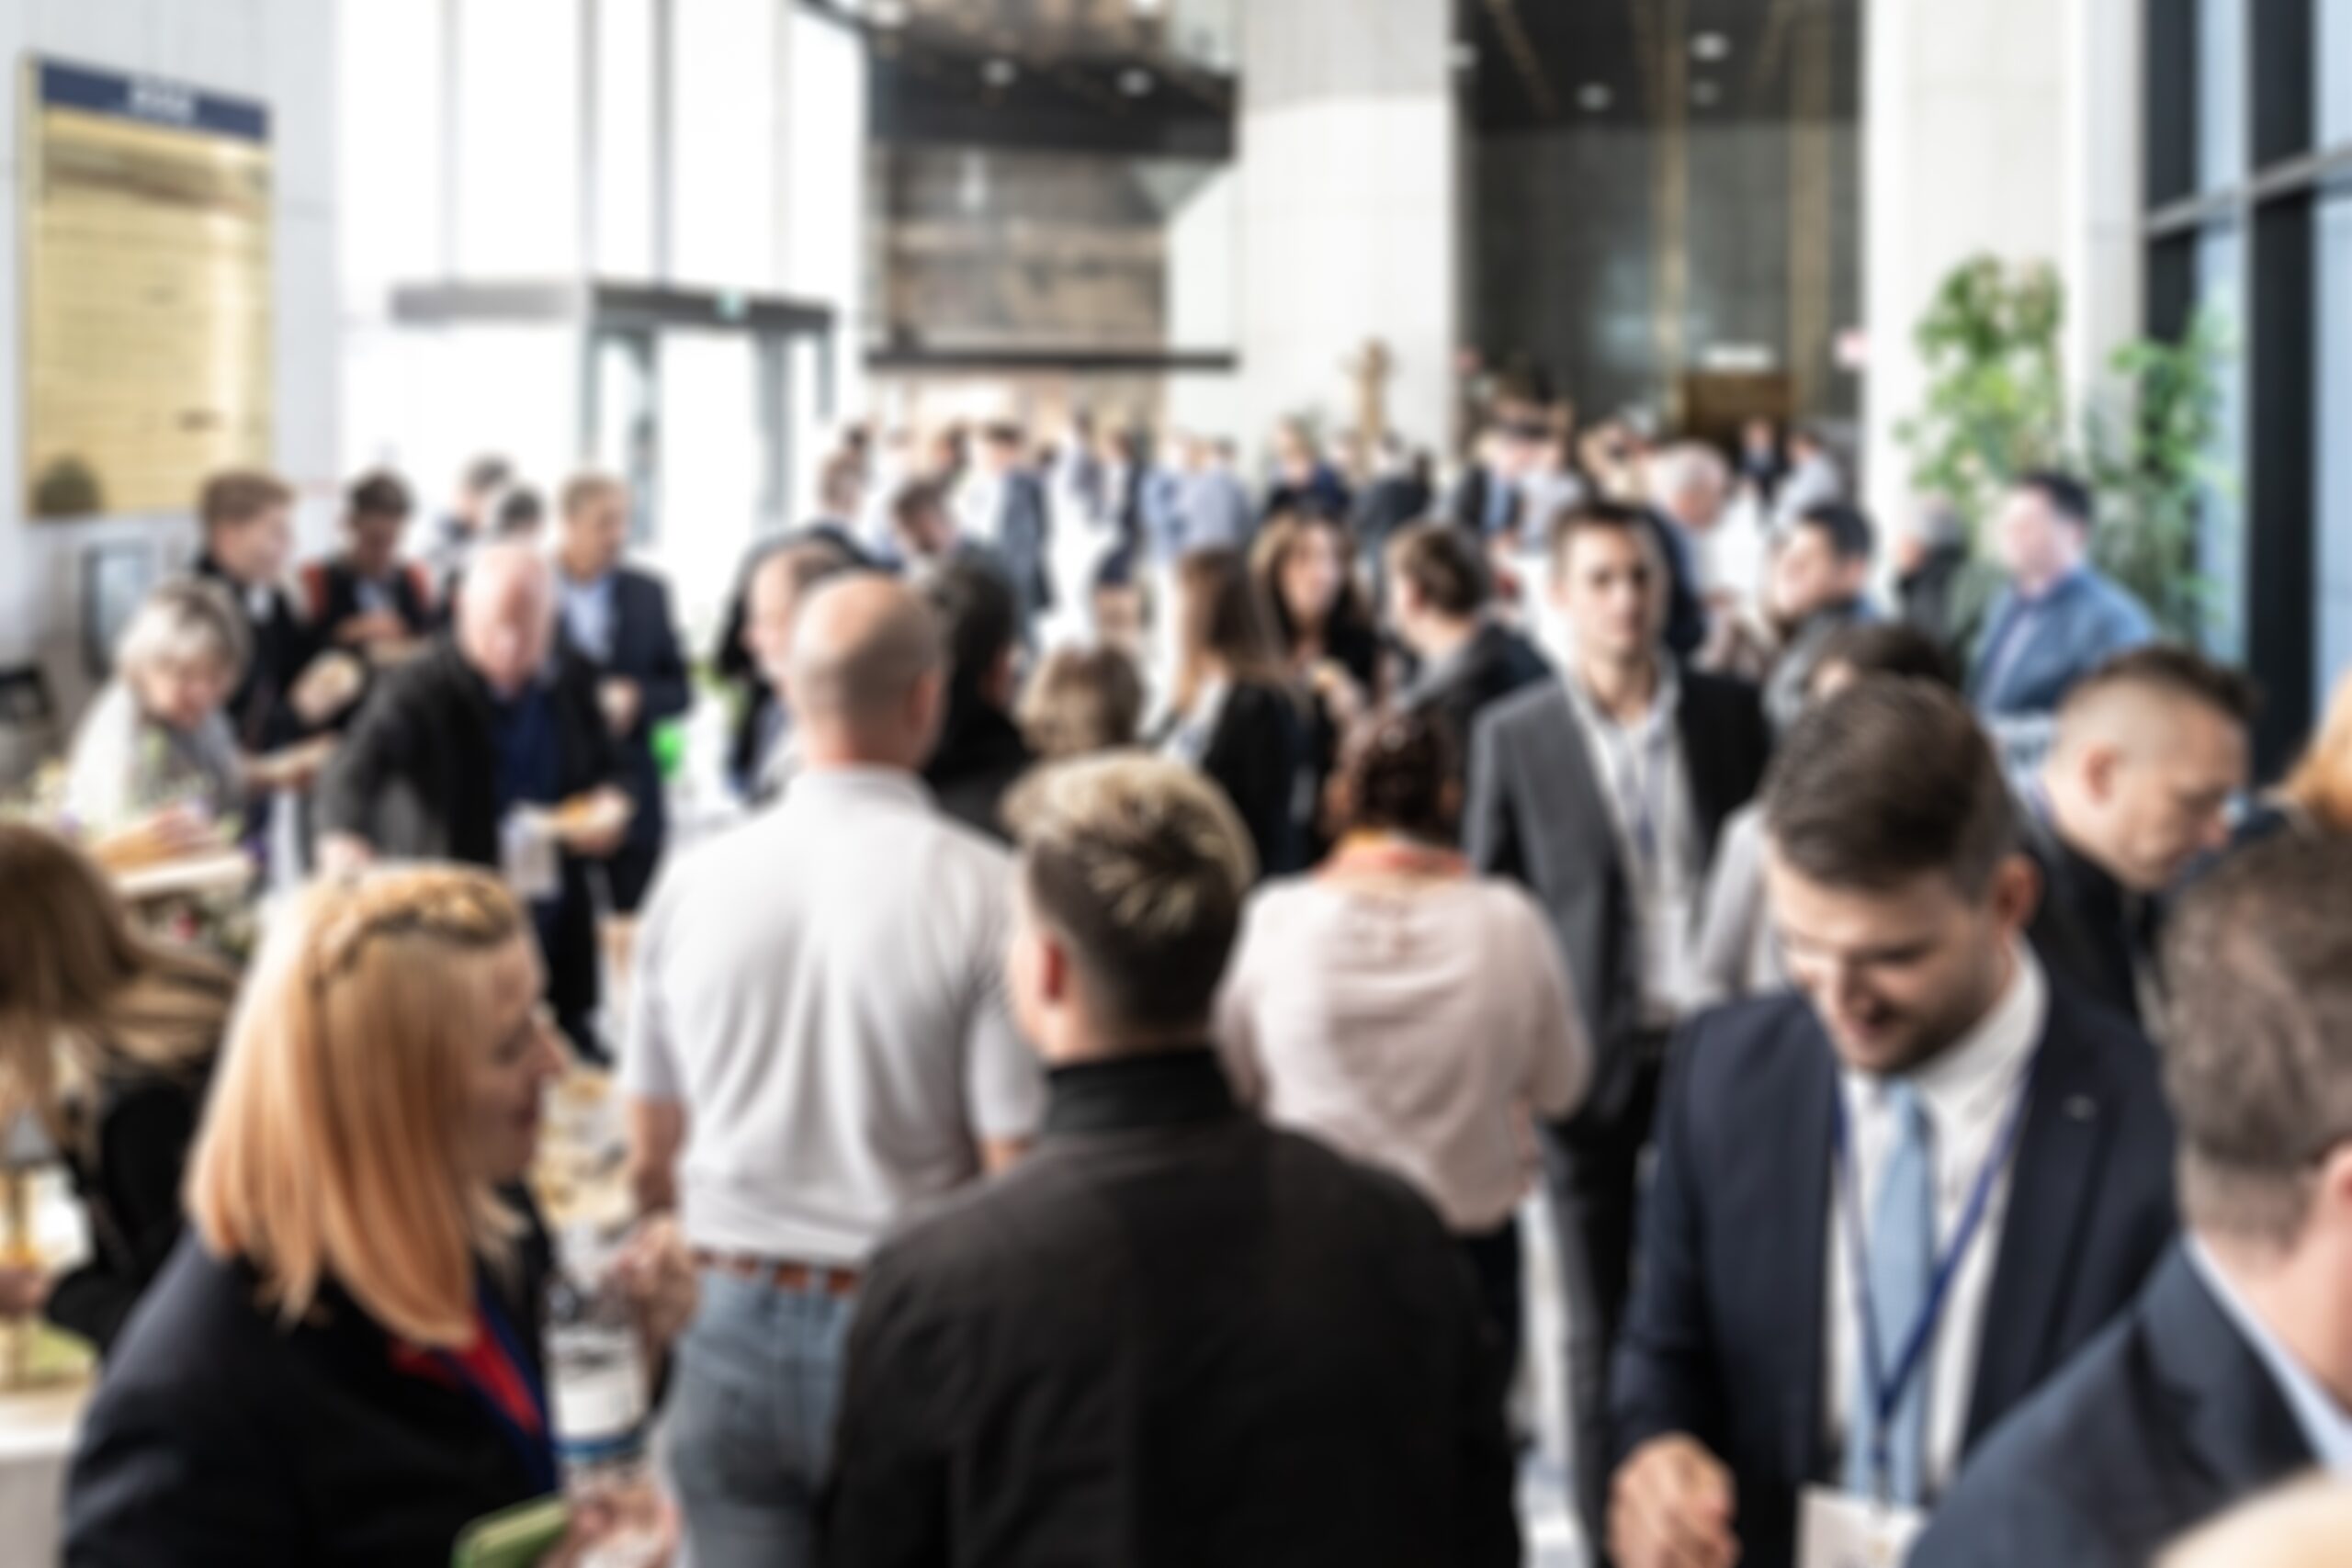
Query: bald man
[
  {"x": 461, "y": 754},
  {"x": 818, "y": 1045},
  {"x": 2150, "y": 751}
]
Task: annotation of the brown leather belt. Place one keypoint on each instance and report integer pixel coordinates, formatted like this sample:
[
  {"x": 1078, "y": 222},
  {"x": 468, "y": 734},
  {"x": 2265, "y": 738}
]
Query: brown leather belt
[{"x": 777, "y": 1274}]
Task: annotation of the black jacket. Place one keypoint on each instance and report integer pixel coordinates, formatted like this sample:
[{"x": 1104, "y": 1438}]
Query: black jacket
[
  {"x": 1496, "y": 662},
  {"x": 417, "y": 779},
  {"x": 219, "y": 1438},
  {"x": 645, "y": 649},
  {"x": 979, "y": 757},
  {"x": 2166, "y": 1420},
  {"x": 1172, "y": 1335},
  {"x": 1723, "y": 1336},
  {"x": 283, "y": 646},
  {"x": 2087, "y": 928},
  {"x": 142, "y": 1125},
  {"x": 331, "y": 588},
  {"x": 1261, "y": 755}
]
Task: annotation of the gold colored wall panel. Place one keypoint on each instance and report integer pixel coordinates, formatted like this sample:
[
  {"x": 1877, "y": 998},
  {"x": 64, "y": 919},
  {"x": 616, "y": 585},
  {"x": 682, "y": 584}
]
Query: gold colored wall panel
[{"x": 147, "y": 307}]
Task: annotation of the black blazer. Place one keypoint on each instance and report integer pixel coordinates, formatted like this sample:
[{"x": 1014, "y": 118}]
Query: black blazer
[
  {"x": 2082, "y": 929},
  {"x": 1467, "y": 507},
  {"x": 645, "y": 649},
  {"x": 2168, "y": 1417},
  {"x": 1494, "y": 664},
  {"x": 1262, "y": 756},
  {"x": 979, "y": 758},
  {"x": 417, "y": 779},
  {"x": 219, "y": 1438},
  {"x": 1536, "y": 814},
  {"x": 1723, "y": 1339},
  {"x": 332, "y": 587},
  {"x": 283, "y": 646},
  {"x": 142, "y": 1125},
  {"x": 1025, "y": 539}
]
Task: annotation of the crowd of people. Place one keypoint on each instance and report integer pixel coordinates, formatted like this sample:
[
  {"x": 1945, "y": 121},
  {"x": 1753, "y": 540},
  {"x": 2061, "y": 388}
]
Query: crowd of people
[{"x": 1085, "y": 1108}]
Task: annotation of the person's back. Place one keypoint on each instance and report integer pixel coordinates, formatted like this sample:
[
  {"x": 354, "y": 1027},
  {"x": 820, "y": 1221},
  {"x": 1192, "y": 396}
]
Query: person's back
[
  {"x": 1172, "y": 1334},
  {"x": 873, "y": 924},
  {"x": 1181, "y": 1343},
  {"x": 818, "y": 1045}
]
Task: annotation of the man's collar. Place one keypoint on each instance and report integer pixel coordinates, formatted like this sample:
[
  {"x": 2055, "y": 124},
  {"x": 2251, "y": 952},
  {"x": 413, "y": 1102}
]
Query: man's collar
[
  {"x": 1156, "y": 1089},
  {"x": 2326, "y": 1426}
]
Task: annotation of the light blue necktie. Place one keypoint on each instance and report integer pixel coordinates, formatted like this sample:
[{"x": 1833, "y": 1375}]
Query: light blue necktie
[{"x": 1902, "y": 1267}]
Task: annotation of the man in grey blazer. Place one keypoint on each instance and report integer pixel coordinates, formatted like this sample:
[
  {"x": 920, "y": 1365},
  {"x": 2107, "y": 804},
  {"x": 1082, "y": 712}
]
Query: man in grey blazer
[
  {"x": 1017, "y": 529},
  {"x": 1605, "y": 791}
]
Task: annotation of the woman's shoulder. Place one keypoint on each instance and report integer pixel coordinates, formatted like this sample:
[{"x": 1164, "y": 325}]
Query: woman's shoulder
[{"x": 200, "y": 1325}]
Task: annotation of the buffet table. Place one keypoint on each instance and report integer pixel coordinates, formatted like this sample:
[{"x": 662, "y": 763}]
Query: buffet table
[{"x": 36, "y": 1427}]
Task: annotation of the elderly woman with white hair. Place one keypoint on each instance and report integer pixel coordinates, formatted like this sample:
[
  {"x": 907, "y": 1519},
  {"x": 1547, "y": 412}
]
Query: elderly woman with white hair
[{"x": 157, "y": 736}]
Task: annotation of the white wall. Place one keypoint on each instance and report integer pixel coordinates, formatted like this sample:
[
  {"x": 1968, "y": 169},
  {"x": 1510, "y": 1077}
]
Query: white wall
[
  {"x": 2008, "y": 127},
  {"x": 281, "y": 53},
  {"x": 1348, "y": 173}
]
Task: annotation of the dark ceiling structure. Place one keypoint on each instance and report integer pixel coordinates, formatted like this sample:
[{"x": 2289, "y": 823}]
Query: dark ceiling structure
[
  {"x": 1097, "y": 75},
  {"x": 1533, "y": 63}
]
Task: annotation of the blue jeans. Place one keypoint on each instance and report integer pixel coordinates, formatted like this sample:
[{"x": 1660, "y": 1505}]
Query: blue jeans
[{"x": 750, "y": 1426}]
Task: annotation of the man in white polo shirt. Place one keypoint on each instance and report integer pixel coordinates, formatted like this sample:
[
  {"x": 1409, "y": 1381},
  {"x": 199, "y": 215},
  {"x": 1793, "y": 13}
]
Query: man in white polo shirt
[{"x": 818, "y": 1043}]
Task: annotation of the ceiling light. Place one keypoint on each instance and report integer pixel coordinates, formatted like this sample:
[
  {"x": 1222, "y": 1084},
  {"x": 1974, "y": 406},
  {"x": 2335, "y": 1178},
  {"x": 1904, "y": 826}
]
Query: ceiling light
[
  {"x": 887, "y": 13},
  {"x": 1710, "y": 46},
  {"x": 1705, "y": 94},
  {"x": 1596, "y": 97},
  {"x": 1149, "y": 8},
  {"x": 1000, "y": 72},
  {"x": 1134, "y": 81}
]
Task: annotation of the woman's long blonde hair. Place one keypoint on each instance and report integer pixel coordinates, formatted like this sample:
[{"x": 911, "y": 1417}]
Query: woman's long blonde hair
[
  {"x": 84, "y": 996},
  {"x": 2322, "y": 782},
  {"x": 330, "y": 1148}
]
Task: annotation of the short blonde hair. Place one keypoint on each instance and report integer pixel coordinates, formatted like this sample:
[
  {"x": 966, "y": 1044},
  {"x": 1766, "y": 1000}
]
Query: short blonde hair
[
  {"x": 327, "y": 1151},
  {"x": 184, "y": 621},
  {"x": 2322, "y": 782},
  {"x": 583, "y": 489},
  {"x": 1141, "y": 865}
]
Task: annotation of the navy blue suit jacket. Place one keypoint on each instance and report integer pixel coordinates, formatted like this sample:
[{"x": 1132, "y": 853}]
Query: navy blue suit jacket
[
  {"x": 1723, "y": 1336},
  {"x": 645, "y": 649},
  {"x": 2170, "y": 1418}
]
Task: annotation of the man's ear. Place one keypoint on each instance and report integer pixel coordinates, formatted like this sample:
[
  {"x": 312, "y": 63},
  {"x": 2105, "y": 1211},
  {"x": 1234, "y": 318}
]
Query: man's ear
[{"x": 2017, "y": 892}]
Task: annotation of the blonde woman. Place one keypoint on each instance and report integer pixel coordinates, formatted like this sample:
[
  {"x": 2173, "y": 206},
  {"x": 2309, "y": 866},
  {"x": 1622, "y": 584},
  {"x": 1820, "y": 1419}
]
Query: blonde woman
[
  {"x": 341, "y": 1362},
  {"x": 2320, "y": 789},
  {"x": 105, "y": 1038}
]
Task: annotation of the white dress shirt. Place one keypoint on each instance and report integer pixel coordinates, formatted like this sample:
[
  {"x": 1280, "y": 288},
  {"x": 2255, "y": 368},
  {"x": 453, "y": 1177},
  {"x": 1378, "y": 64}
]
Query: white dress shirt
[
  {"x": 1644, "y": 779},
  {"x": 1968, "y": 1093}
]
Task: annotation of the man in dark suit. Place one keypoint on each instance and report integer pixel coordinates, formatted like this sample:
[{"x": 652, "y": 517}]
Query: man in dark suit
[
  {"x": 1485, "y": 502},
  {"x": 1605, "y": 791},
  {"x": 457, "y": 755},
  {"x": 2233, "y": 1370},
  {"x": 1011, "y": 520},
  {"x": 1885, "y": 1210},
  {"x": 2151, "y": 749},
  {"x": 981, "y": 752},
  {"x": 1439, "y": 594},
  {"x": 248, "y": 534},
  {"x": 1171, "y": 1334},
  {"x": 617, "y": 621}
]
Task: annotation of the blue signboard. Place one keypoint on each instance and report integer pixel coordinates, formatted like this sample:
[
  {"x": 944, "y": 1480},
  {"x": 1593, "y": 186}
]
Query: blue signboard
[{"x": 151, "y": 99}]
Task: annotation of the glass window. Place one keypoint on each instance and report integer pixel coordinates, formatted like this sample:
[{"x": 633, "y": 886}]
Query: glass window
[
  {"x": 625, "y": 138},
  {"x": 2220, "y": 271},
  {"x": 2332, "y": 99},
  {"x": 2332, "y": 621},
  {"x": 389, "y": 147},
  {"x": 2221, "y": 92},
  {"x": 723, "y": 164},
  {"x": 518, "y": 124}
]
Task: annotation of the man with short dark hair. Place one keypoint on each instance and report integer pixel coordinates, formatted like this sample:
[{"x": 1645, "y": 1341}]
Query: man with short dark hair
[
  {"x": 980, "y": 751},
  {"x": 2233, "y": 1370},
  {"x": 778, "y": 582},
  {"x": 468, "y": 521},
  {"x": 365, "y": 596},
  {"x": 248, "y": 532},
  {"x": 616, "y": 619},
  {"x": 1887, "y": 1209},
  {"x": 2059, "y": 618},
  {"x": 1606, "y": 792},
  {"x": 1174, "y": 1334},
  {"x": 1820, "y": 579},
  {"x": 1439, "y": 592},
  {"x": 2150, "y": 751}
]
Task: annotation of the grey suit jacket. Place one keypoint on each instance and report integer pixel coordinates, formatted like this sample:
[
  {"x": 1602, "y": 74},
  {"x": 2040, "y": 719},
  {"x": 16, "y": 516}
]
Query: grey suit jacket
[{"x": 1536, "y": 813}]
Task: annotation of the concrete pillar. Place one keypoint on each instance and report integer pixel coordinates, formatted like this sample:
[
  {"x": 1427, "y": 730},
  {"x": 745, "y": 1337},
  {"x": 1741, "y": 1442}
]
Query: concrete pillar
[
  {"x": 2008, "y": 127},
  {"x": 1348, "y": 175}
]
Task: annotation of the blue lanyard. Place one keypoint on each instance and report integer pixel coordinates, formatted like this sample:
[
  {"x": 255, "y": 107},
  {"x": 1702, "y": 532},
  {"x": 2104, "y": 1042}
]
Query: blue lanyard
[
  {"x": 1887, "y": 1387},
  {"x": 536, "y": 1449}
]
